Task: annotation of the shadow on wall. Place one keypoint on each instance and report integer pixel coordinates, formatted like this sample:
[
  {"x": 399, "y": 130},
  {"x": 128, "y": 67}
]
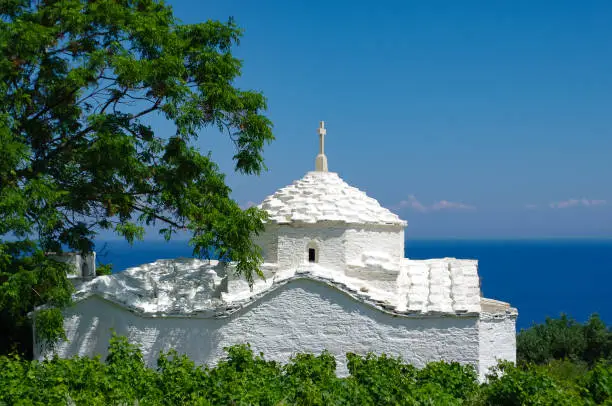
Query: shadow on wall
[{"x": 301, "y": 316}]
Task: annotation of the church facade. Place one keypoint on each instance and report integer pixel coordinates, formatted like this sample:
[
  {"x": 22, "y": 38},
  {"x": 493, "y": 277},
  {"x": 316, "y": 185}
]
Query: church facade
[{"x": 335, "y": 279}]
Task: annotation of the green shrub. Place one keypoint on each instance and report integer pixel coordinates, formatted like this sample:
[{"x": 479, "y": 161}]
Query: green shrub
[
  {"x": 509, "y": 385},
  {"x": 459, "y": 381},
  {"x": 597, "y": 383},
  {"x": 386, "y": 380},
  {"x": 104, "y": 269},
  {"x": 565, "y": 338},
  {"x": 243, "y": 378}
]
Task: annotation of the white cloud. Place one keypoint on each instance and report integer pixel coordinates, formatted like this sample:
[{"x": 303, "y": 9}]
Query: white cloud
[
  {"x": 413, "y": 203},
  {"x": 445, "y": 204},
  {"x": 576, "y": 203}
]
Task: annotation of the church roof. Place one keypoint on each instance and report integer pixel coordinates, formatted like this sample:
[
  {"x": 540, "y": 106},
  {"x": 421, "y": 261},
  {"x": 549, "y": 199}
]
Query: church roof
[
  {"x": 324, "y": 196},
  {"x": 193, "y": 287}
]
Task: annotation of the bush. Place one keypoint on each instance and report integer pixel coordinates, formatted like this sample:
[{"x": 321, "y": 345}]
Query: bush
[
  {"x": 385, "y": 380},
  {"x": 564, "y": 338},
  {"x": 597, "y": 384},
  {"x": 245, "y": 378},
  {"x": 512, "y": 386},
  {"x": 564, "y": 375},
  {"x": 460, "y": 381}
]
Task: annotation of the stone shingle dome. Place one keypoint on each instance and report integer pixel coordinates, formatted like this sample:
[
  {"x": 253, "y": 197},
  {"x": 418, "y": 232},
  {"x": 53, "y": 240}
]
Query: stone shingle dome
[{"x": 324, "y": 196}]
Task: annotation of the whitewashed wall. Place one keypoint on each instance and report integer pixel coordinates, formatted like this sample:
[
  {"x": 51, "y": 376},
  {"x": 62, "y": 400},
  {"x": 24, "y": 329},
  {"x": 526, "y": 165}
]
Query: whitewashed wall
[
  {"x": 303, "y": 316},
  {"x": 268, "y": 242},
  {"x": 368, "y": 240},
  {"x": 84, "y": 266},
  {"x": 497, "y": 340},
  {"x": 293, "y": 246},
  {"x": 336, "y": 246}
]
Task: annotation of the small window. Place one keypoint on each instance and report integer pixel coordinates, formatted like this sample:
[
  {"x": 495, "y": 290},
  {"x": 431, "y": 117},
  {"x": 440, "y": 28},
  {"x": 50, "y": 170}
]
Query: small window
[{"x": 311, "y": 255}]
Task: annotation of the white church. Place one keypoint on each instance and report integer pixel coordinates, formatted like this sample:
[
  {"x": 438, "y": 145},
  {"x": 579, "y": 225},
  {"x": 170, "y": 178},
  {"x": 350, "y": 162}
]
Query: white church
[{"x": 335, "y": 279}]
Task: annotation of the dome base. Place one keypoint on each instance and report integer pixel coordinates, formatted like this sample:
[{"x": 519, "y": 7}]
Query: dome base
[{"x": 321, "y": 163}]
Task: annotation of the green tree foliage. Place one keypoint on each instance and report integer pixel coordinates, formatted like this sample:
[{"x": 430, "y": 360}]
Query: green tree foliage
[
  {"x": 388, "y": 380},
  {"x": 514, "y": 386},
  {"x": 104, "y": 269},
  {"x": 597, "y": 383},
  {"x": 563, "y": 356},
  {"x": 244, "y": 378},
  {"x": 28, "y": 279},
  {"x": 80, "y": 82},
  {"x": 564, "y": 338}
]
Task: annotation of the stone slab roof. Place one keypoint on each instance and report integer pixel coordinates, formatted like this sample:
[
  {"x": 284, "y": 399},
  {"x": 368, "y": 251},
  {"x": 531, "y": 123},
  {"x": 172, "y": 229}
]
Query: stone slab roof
[
  {"x": 190, "y": 287},
  {"x": 324, "y": 196}
]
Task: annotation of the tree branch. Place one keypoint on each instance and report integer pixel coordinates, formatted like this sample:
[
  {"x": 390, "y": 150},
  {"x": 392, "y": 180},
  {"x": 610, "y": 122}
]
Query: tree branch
[
  {"x": 153, "y": 214},
  {"x": 150, "y": 109}
]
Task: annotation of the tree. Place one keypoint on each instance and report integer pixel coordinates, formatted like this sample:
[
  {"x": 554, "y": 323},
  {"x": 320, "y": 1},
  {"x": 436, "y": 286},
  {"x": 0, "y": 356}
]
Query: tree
[
  {"x": 565, "y": 338},
  {"x": 79, "y": 82}
]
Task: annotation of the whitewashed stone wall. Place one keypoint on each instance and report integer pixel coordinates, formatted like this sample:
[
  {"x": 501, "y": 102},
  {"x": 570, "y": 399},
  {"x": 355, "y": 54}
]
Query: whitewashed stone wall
[
  {"x": 268, "y": 242},
  {"x": 497, "y": 339},
  {"x": 377, "y": 245},
  {"x": 302, "y": 316},
  {"x": 293, "y": 244},
  {"x": 336, "y": 246},
  {"x": 84, "y": 265}
]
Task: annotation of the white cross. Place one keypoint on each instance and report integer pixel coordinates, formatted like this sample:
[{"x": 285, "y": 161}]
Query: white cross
[
  {"x": 321, "y": 161},
  {"x": 322, "y": 130}
]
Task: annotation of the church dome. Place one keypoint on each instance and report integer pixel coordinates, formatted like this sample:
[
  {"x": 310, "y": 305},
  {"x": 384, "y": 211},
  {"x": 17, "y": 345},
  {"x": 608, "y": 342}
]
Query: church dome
[{"x": 324, "y": 196}]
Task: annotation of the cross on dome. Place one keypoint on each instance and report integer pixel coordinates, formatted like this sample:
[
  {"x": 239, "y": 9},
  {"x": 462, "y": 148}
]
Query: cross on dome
[
  {"x": 322, "y": 131},
  {"x": 321, "y": 161}
]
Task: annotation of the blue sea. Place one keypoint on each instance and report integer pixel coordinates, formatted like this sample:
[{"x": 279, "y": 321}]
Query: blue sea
[{"x": 540, "y": 277}]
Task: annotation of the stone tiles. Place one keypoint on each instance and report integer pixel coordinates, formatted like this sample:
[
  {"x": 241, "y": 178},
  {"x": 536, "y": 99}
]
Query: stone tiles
[{"x": 324, "y": 196}]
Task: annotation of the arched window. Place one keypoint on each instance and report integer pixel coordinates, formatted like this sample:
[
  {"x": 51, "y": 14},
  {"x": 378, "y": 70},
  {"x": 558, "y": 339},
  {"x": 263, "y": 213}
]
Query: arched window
[{"x": 312, "y": 252}]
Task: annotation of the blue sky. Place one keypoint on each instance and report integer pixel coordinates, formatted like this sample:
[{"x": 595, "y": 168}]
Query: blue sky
[{"x": 468, "y": 119}]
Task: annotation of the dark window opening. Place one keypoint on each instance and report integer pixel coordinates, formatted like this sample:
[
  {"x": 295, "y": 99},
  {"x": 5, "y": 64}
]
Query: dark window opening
[{"x": 311, "y": 255}]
